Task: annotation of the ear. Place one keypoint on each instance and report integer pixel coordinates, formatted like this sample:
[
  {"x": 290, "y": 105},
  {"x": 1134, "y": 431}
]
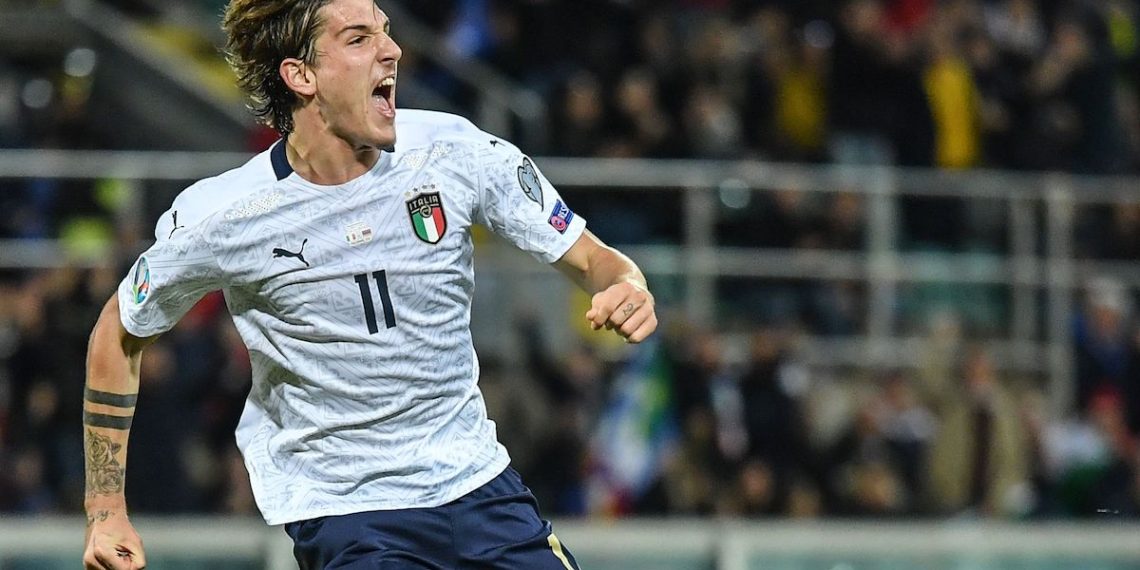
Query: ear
[{"x": 298, "y": 77}]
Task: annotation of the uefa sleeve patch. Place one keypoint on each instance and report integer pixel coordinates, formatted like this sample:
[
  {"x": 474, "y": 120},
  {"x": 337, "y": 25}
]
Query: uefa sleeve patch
[
  {"x": 140, "y": 284},
  {"x": 561, "y": 217},
  {"x": 531, "y": 185}
]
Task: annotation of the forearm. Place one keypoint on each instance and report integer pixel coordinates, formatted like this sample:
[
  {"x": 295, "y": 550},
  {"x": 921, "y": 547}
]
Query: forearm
[
  {"x": 606, "y": 267},
  {"x": 110, "y": 396},
  {"x": 621, "y": 299}
]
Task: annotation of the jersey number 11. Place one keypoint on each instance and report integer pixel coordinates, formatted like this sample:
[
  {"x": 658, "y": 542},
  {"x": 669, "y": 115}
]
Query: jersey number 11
[{"x": 381, "y": 278}]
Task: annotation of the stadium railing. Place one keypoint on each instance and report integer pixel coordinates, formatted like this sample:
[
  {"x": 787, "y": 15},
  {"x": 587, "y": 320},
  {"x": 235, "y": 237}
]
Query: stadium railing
[{"x": 227, "y": 544}]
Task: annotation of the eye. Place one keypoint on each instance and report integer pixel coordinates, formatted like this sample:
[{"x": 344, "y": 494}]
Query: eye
[{"x": 356, "y": 40}]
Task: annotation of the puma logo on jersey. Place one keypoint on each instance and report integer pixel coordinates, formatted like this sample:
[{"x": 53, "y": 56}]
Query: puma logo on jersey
[
  {"x": 300, "y": 255},
  {"x": 177, "y": 227}
]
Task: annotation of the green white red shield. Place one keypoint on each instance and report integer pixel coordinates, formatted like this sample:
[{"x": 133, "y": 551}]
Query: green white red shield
[{"x": 428, "y": 219}]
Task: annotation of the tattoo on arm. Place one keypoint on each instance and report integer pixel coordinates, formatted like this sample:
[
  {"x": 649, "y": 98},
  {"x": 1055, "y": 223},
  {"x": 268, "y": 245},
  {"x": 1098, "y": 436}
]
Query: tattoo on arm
[
  {"x": 110, "y": 399},
  {"x": 108, "y": 421},
  {"x": 104, "y": 473}
]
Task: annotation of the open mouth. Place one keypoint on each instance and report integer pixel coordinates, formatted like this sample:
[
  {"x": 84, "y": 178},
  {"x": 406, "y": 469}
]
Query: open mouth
[{"x": 384, "y": 97}]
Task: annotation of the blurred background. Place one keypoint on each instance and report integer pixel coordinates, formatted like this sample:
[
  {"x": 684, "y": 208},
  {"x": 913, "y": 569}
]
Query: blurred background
[{"x": 894, "y": 245}]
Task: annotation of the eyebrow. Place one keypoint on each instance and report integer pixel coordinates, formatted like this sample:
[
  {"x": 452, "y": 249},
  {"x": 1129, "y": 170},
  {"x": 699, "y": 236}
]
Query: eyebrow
[
  {"x": 356, "y": 28},
  {"x": 366, "y": 28}
]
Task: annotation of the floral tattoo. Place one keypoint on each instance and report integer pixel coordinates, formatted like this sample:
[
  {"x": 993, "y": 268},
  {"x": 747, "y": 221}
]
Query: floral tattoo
[{"x": 104, "y": 473}]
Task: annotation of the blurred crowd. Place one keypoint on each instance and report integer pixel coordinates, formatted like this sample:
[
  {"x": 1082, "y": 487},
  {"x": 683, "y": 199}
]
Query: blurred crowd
[
  {"x": 194, "y": 382},
  {"x": 762, "y": 435},
  {"x": 744, "y": 426},
  {"x": 1024, "y": 84}
]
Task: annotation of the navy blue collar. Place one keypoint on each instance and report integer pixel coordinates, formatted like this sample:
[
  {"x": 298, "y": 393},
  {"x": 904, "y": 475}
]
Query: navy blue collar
[{"x": 280, "y": 162}]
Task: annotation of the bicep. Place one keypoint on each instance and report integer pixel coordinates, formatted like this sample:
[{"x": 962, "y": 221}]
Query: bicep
[
  {"x": 110, "y": 327},
  {"x": 114, "y": 355}
]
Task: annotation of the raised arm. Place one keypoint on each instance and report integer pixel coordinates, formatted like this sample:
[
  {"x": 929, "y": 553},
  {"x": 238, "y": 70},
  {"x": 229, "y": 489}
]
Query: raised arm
[
  {"x": 621, "y": 299},
  {"x": 113, "y": 357}
]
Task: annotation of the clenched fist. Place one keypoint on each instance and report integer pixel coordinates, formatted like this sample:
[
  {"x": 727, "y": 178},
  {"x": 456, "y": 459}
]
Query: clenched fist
[
  {"x": 626, "y": 308},
  {"x": 112, "y": 543}
]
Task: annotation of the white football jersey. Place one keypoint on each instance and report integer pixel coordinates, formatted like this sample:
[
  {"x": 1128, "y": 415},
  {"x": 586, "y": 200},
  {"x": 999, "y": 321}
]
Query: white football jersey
[{"x": 355, "y": 303}]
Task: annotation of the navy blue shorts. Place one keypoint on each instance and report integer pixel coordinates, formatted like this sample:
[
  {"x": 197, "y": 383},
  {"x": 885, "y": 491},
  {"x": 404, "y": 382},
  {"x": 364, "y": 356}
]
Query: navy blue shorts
[{"x": 494, "y": 526}]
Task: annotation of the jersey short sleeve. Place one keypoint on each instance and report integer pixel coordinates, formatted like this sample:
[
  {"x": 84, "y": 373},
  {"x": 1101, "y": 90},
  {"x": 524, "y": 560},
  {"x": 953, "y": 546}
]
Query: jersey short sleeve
[
  {"x": 168, "y": 279},
  {"x": 522, "y": 206}
]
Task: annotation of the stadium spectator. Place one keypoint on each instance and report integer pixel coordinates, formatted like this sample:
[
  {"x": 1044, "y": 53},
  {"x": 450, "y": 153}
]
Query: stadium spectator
[
  {"x": 863, "y": 475},
  {"x": 753, "y": 493},
  {"x": 162, "y": 481},
  {"x": 908, "y": 427},
  {"x": 777, "y": 430},
  {"x": 581, "y": 119},
  {"x": 24, "y": 487},
  {"x": 953, "y": 99},
  {"x": 1076, "y": 74},
  {"x": 1092, "y": 462},
  {"x": 1105, "y": 348},
  {"x": 556, "y": 429},
  {"x": 691, "y": 478},
  {"x": 978, "y": 461},
  {"x": 639, "y": 112}
]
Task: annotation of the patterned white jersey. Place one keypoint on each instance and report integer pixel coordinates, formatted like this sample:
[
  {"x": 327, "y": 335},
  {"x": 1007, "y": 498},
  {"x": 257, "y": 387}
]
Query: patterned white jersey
[{"x": 355, "y": 303}]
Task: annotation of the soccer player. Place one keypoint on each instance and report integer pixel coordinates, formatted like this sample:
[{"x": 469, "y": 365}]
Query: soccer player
[{"x": 345, "y": 256}]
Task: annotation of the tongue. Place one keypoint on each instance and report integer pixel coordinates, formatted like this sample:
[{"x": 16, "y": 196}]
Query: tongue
[{"x": 384, "y": 106}]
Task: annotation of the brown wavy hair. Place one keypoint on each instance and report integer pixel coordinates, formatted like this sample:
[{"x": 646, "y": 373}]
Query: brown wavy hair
[{"x": 260, "y": 34}]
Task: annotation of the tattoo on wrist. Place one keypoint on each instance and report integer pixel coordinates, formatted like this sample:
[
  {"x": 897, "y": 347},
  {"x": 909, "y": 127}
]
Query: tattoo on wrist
[
  {"x": 104, "y": 472},
  {"x": 98, "y": 516}
]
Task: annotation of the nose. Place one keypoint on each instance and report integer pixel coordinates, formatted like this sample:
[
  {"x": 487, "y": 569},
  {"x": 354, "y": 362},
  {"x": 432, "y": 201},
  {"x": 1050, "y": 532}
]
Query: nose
[{"x": 389, "y": 51}]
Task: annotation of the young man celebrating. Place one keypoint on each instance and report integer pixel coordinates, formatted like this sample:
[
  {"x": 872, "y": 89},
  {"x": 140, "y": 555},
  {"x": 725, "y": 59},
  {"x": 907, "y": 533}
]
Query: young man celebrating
[{"x": 345, "y": 256}]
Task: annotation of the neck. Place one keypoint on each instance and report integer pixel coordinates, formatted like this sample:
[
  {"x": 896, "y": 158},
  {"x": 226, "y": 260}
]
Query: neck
[{"x": 321, "y": 157}]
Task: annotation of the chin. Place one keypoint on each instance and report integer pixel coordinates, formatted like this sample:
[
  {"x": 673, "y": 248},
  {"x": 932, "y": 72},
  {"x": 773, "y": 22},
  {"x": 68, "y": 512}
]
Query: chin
[
  {"x": 387, "y": 144},
  {"x": 384, "y": 138}
]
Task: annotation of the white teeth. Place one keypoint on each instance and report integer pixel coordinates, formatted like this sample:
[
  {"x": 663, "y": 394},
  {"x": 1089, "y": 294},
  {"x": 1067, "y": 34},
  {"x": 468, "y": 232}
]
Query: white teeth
[{"x": 388, "y": 82}]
